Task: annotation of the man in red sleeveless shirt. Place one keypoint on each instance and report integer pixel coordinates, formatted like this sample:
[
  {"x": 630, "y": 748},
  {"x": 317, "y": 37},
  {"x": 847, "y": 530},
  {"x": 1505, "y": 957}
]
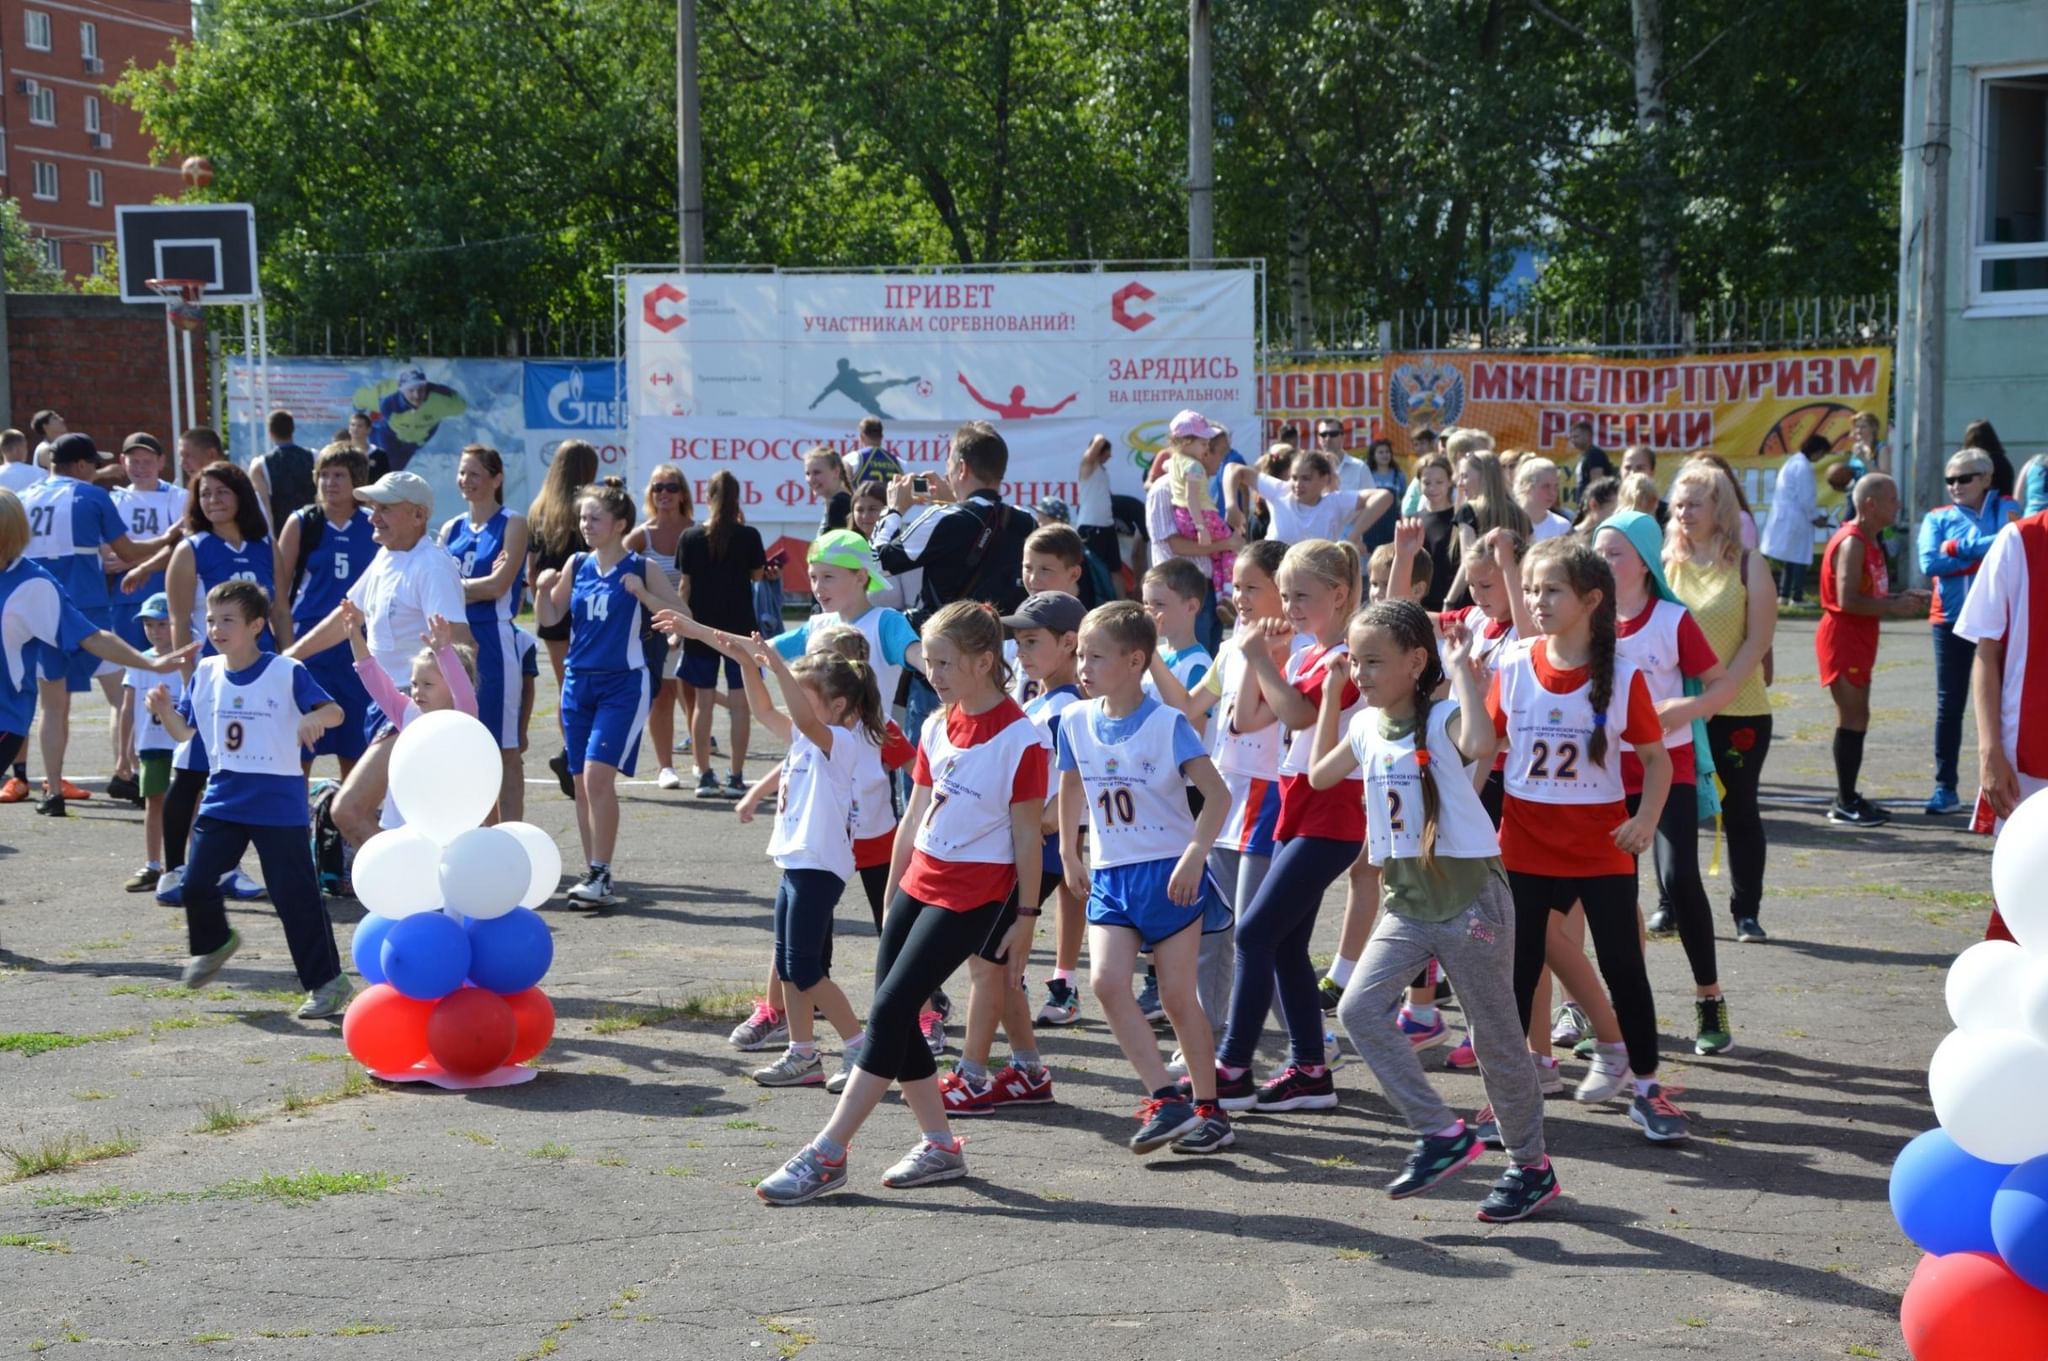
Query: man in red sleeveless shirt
[{"x": 1855, "y": 593}]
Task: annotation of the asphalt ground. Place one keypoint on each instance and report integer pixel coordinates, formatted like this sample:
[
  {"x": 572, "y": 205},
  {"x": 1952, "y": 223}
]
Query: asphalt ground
[{"x": 255, "y": 1196}]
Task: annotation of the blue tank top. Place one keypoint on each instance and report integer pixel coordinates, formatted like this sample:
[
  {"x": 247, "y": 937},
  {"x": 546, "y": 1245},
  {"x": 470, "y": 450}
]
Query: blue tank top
[
  {"x": 332, "y": 567},
  {"x": 214, "y": 562},
  {"x": 477, "y": 551},
  {"x": 604, "y": 618}
]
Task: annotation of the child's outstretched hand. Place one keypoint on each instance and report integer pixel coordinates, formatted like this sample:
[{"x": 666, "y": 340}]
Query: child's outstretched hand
[
  {"x": 175, "y": 660},
  {"x": 440, "y": 633},
  {"x": 1501, "y": 545},
  {"x": 351, "y": 617},
  {"x": 1408, "y": 535},
  {"x": 158, "y": 700},
  {"x": 669, "y": 622}
]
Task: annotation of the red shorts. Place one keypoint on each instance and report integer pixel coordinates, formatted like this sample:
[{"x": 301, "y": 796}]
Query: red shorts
[{"x": 1846, "y": 647}]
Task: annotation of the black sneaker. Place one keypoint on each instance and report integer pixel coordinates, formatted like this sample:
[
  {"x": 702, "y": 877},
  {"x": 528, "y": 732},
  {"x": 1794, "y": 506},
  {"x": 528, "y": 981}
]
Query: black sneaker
[
  {"x": 1160, "y": 1122},
  {"x": 1660, "y": 921},
  {"x": 1861, "y": 812},
  {"x": 125, "y": 788},
  {"x": 1232, "y": 1093},
  {"x": 1329, "y": 993},
  {"x": 1520, "y": 1192},
  {"x": 1749, "y": 930},
  {"x": 52, "y": 806},
  {"x": 1434, "y": 1158},
  {"x": 559, "y": 763},
  {"x": 707, "y": 785},
  {"x": 1212, "y": 1135},
  {"x": 735, "y": 786},
  {"x": 1712, "y": 1035},
  {"x": 1295, "y": 1090}
]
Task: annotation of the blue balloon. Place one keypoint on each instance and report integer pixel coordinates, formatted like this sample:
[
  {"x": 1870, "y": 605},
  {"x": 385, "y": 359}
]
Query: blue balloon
[
  {"x": 1941, "y": 1196},
  {"x": 425, "y": 955},
  {"x": 511, "y": 953},
  {"x": 2019, "y": 1222},
  {"x": 368, "y": 945}
]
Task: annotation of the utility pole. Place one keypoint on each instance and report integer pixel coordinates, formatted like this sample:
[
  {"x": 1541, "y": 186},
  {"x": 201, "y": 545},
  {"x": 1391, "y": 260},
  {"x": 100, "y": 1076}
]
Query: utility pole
[
  {"x": 1928, "y": 450},
  {"x": 689, "y": 148},
  {"x": 1201, "y": 138}
]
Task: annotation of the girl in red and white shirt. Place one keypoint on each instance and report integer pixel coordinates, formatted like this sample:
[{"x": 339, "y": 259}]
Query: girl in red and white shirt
[{"x": 968, "y": 852}]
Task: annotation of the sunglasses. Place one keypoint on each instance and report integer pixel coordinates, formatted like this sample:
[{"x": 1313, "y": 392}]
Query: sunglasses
[
  {"x": 1959, "y": 481},
  {"x": 667, "y": 489},
  {"x": 1328, "y": 434}
]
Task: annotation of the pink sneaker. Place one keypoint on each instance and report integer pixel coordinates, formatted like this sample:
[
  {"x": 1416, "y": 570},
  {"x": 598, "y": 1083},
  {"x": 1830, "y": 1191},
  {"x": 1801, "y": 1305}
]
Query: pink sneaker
[
  {"x": 1420, "y": 1035},
  {"x": 1461, "y": 1057},
  {"x": 766, "y": 1028}
]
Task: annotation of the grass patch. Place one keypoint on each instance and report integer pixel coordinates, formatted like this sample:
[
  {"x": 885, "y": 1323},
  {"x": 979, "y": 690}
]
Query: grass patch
[
  {"x": 105, "y": 1198},
  {"x": 194, "y": 1021},
  {"x": 222, "y": 1117},
  {"x": 94, "y": 1095},
  {"x": 613, "y": 1161},
  {"x": 169, "y": 994},
  {"x": 206, "y": 1339},
  {"x": 363, "y": 1329},
  {"x": 475, "y": 1136},
  {"x": 322, "y": 1056},
  {"x": 749, "y": 1124},
  {"x": 679, "y": 1171},
  {"x": 1693, "y": 1321},
  {"x": 33, "y": 1042},
  {"x": 110, "y": 943},
  {"x": 33, "y": 1242},
  {"x": 1357, "y": 1255},
  {"x": 303, "y": 1189},
  {"x": 793, "y": 1339},
  {"x": 731, "y": 1004},
  {"x": 1858, "y": 1349},
  {"x": 1335, "y": 1160},
  {"x": 62, "y": 1152},
  {"x": 353, "y": 1083},
  {"x": 552, "y": 1152}
]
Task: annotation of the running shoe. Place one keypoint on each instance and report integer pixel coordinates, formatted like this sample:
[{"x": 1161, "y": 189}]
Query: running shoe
[
  {"x": 329, "y": 999},
  {"x": 69, "y": 791},
  {"x": 735, "y": 786},
  {"x": 1012, "y": 1086},
  {"x": 1423, "y": 1034},
  {"x": 594, "y": 892},
  {"x": 1212, "y": 1135},
  {"x": 1712, "y": 1035},
  {"x": 793, "y": 1070},
  {"x": 805, "y": 1177},
  {"x": 240, "y": 887},
  {"x": 1749, "y": 931},
  {"x": 1148, "y": 1000},
  {"x": 14, "y": 791},
  {"x": 1485, "y": 1127},
  {"x": 932, "y": 1025},
  {"x": 1660, "y": 921},
  {"x": 848, "y": 1060},
  {"x": 668, "y": 779},
  {"x": 1434, "y": 1157},
  {"x": 52, "y": 806},
  {"x": 144, "y": 879},
  {"x": 1858, "y": 812},
  {"x": 1062, "y": 1003},
  {"x": 1942, "y": 800},
  {"x": 707, "y": 785},
  {"x": 1232, "y": 1093},
  {"x": 1520, "y": 1192},
  {"x": 1571, "y": 1025},
  {"x": 124, "y": 788},
  {"x": 1331, "y": 992},
  {"x": 925, "y": 1164},
  {"x": 1333, "y": 1050},
  {"x": 962, "y": 1097},
  {"x": 201, "y": 969},
  {"x": 1161, "y": 1121},
  {"x": 1662, "y": 1122},
  {"x": 1606, "y": 1075},
  {"x": 1549, "y": 1080},
  {"x": 170, "y": 890},
  {"x": 764, "y": 1028},
  {"x": 1177, "y": 1066},
  {"x": 1462, "y": 1056},
  {"x": 1295, "y": 1090},
  {"x": 559, "y": 763}
]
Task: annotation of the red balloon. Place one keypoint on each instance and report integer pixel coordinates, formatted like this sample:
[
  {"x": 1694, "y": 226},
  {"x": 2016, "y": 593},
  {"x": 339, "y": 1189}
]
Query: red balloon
[
  {"x": 535, "y": 1015},
  {"x": 385, "y": 1030},
  {"x": 471, "y": 1032},
  {"x": 1968, "y": 1306}
]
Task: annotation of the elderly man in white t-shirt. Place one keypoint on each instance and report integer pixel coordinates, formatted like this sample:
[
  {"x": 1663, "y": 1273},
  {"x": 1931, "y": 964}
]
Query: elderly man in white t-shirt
[{"x": 411, "y": 579}]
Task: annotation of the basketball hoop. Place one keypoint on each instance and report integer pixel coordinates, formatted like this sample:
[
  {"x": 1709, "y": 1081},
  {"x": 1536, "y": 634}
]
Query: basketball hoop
[{"x": 181, "y": 300}]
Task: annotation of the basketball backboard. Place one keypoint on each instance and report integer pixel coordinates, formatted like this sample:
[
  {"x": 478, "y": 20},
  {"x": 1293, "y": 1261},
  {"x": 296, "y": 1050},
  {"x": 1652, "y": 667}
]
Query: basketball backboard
[{"x": 215, "y": 242}]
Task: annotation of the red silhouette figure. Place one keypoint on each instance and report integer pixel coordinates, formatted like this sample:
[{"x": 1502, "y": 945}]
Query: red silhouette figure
[{"x": 1014, "y": 409}]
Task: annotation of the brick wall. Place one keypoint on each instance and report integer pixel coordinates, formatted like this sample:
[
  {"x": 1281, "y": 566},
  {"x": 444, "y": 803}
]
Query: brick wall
[{"x": 97, "y": 361}]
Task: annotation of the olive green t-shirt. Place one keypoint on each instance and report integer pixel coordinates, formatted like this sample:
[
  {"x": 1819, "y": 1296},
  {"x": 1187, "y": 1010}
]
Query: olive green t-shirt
[{"x": 1430, "y": 893}]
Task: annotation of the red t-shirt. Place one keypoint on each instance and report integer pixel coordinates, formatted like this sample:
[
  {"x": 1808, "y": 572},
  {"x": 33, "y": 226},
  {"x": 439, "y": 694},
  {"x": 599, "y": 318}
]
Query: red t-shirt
[
  {"x": 963, "y": 885},
  {"x": 1696, "y": 657},
  {"x": 897, "y": 751},
  {"x": 1488, "y": 633},
  {"x": 1336, "y": 813},
  {"x": 1570, "y": 840}
]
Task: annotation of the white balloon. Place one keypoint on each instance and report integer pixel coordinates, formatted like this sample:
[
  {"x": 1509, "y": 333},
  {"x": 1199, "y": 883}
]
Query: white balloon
[
  {"x": 1985, "y": 985},
  {"x": 1990, "y": 1092},
  {"x": 395, "y": 873},
  {"x": 483, "y": 872},
  {"x": 545, "y": 859},
  {"x": 445, "y": 770},
  {"x": 2019, "y": 872},
  {"x": 2031, "y": 1009}
]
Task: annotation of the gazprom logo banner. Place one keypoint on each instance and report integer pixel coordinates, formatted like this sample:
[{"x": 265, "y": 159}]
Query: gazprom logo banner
[{"x": 572, "y": 396}]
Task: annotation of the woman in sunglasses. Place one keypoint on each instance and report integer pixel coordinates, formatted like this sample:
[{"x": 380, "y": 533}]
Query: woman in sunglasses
[{"x": 1953, "y": 541}]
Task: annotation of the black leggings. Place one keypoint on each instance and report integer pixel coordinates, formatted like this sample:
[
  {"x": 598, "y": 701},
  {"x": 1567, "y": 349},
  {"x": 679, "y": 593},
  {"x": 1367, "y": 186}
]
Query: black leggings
[
  {"x": 921, "y": 947},
  {"x": 1740, "y": 744},
  {"x": 1610, "y": 901},
  {"x": 1677, "y": 857},
  {"x": 181, "y": 805},
  {"x": 11, "y": 744},
  {"x": 873, "y": 881}
]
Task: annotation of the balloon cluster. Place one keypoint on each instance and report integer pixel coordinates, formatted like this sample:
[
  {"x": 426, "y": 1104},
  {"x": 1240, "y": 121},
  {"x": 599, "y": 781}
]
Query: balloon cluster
[
  {"x": 453, "y": 949},
  {"x": 1973, "y": 1194}
]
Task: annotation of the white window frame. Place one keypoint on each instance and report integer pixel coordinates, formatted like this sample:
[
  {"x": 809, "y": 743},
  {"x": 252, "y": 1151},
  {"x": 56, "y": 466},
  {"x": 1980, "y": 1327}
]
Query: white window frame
[
  {"x": 92, "y": 113},
  {"x": 34, "y": 23},
  {"x": 53, "y": 252},
  {"x": 42, "y": 98},
  {"x": 88, "y": 38},
  {"x": 43, "y": 168},
  {"x": 95, "y": 188},
  {"x": 1983, "y": 302}
]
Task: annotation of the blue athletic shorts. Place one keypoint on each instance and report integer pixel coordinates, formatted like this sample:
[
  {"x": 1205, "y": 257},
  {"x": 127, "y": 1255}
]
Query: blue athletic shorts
[
  {"x": 77, "y": 669},
  {"x": 497, "y": 682},
  {"x": 603, "y": 713},
  {"x": 335, "y": 670},
  {"x": 701, "y": 672},
  {"x": 1134, "y": 897}
]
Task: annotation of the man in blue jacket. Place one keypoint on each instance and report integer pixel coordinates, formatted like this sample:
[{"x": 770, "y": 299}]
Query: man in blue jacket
[{"x": 1953, "y": 541}]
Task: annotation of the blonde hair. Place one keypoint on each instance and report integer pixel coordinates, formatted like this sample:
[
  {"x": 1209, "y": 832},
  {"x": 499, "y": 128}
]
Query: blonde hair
[
  {"x": 1462, "y": 441},
  {"x": 1494, "y": 508},
  {"x": 1528, "y": 468},
  {"x": 1336, "y": 565},
  {"x": 841, "y": 640},
  {"x": 822, "y": 453},
  {"x": 975, "y": 629},
  {"x": 464, "y": 653},
  {"x": 1702, "y": 473},
  {"x": 14, "y": 533},
  {"x": 1420, "y": 568},
  {"x": 1639, "y": 492}
]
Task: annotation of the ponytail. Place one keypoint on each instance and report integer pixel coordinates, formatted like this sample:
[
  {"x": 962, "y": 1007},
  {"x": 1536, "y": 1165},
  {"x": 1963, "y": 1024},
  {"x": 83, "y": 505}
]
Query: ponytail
[
  {"x": 1602, "y": 692},
  {"x": 1408, "y": 626},
  {"x": 850, "y": 682}
]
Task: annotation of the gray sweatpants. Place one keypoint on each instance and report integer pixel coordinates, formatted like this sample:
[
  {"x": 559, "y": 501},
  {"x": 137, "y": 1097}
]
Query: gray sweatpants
[
  {"x": 1239, "y": 876},
  {"x": 1476, "y": 947}
]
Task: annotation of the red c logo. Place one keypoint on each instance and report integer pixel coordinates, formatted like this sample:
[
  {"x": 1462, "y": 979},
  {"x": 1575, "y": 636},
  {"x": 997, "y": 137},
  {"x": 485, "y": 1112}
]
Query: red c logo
[
  {"x": 1119, "y": 309},
  {"x": 656, "y": 315}
]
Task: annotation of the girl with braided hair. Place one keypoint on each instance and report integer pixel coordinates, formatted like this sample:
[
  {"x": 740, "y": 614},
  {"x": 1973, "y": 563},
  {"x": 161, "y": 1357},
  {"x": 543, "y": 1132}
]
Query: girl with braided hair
[
  {"x": 1564, "y": 702},
  {"x": 1444, "y": 892}
]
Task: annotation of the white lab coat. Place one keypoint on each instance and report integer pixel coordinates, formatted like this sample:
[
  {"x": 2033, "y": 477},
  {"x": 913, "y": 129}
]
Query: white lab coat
[{"x": 1795, "y": 501}]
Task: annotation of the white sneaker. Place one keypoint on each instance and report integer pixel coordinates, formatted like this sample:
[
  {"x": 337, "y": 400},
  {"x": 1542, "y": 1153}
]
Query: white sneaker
[
  {"x": 836, "y": 1083},
  {"x": 1606, "y": 1074},
  {"x": 239, "y": 886},
  {"x": 668, "y": 779},
  {"x": 1548, "y": 1079},
  {"x": 594, "y": 891}
]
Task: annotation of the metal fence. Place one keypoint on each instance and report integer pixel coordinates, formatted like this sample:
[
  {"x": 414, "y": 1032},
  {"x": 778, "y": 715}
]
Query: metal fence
[{"x": 357, "y": 337}]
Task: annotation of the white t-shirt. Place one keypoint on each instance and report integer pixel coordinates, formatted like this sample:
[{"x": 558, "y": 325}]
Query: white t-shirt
[
  {"x": 1352, "y": 474},
  {"x": 1334, "y": 668},
  {"x": 19, "y": 477},
  {"x": 1093, "y": 508},
  {"x": 150, "y": 734},
  {"x": 1393, "y": 792},
  {"x": 968, "y": 820},
  {"x": 1549, "y": 527},
  {"x": 1995, "y": 608},
  {"x": 1159, "y": 518},
  {"x": 814, "y": 807},
  {"x": 1296, "y": 523},
  {"x": 397, "y": 594}
]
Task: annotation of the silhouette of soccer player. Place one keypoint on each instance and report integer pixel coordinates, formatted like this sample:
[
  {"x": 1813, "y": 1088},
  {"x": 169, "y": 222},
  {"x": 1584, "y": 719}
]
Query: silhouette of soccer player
[
  {"x": 852, "y": 384},
  {"x": 1014, "y": 409}
]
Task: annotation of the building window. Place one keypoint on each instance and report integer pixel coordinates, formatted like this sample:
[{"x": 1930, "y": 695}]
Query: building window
[
  {"x": 2009, "y": 240},
  {"x": 99, "y": 256},
  {"x": 46, "y": 179},
  {"x": 37, "y": 30},
  {"x": 53, "y": 251},
  {"x": 95, "y": 188},
  {"x": 89, "y": 40},
  {"x": 92, "y": 113},
  {"x": 42, "y": 105}
]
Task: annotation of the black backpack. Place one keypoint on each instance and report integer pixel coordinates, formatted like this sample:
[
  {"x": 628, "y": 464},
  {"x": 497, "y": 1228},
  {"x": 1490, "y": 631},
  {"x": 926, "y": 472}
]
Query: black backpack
[{"x": 312, "y": 529}]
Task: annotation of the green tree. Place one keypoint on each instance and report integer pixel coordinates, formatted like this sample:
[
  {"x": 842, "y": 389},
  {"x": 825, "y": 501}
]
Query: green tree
[{"x": 28, "y": 269}]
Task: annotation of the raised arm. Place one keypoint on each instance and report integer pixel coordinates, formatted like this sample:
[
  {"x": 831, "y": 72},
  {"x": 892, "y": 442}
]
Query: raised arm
[
  {"x": 1293, "y": 709},
  {"x": 505, "y": 569},
  {"x": 1330, "y": 756}
]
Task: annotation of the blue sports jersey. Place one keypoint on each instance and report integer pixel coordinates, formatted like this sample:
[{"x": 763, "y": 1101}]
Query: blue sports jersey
[
  {"x": 332, "y": 567},
  {"x": 146, "y": 515},
  {"x": 214, "y": 561},
  {"x": 22, "y": 623},
  {"x": 68, "y": 520},
  {"x": 604, "y": 617},
  {"x": 477, "y": 550}
]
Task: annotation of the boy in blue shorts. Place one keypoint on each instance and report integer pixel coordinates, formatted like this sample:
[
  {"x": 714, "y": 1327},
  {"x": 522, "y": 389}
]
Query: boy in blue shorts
[
  {"x": 254, "y": 710},
  {"x": 1125, "y": 762}
]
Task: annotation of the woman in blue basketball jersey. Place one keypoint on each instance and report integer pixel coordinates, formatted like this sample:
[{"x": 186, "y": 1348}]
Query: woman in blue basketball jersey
[
  {"x": 490, "y": 543},
  {"x": 607, "y": 594},
  {"x": 321, "y": 550},
  {"x": 226, "y": 539}
]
